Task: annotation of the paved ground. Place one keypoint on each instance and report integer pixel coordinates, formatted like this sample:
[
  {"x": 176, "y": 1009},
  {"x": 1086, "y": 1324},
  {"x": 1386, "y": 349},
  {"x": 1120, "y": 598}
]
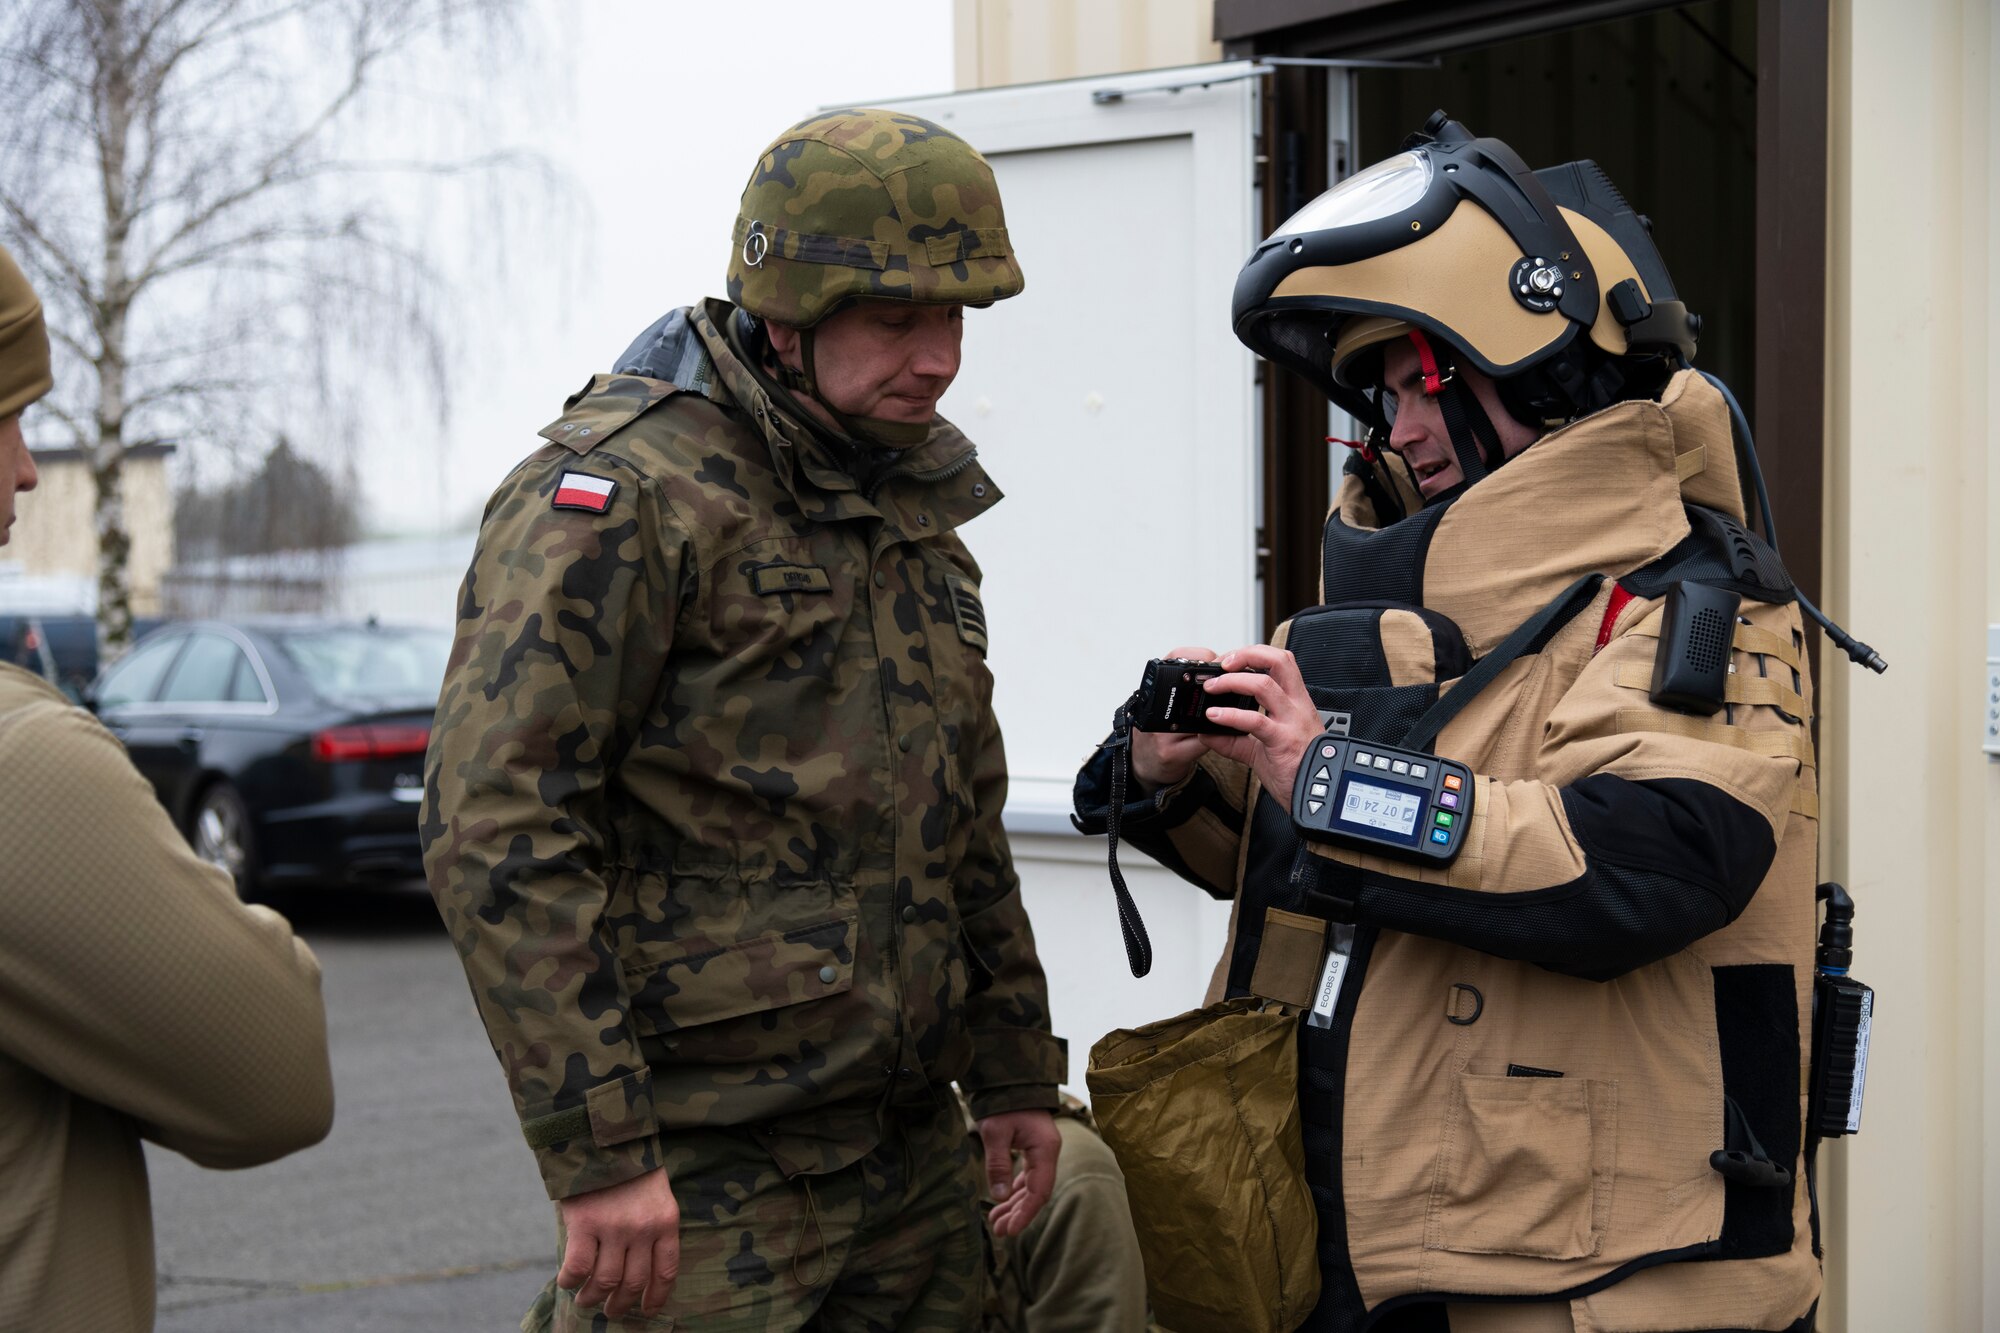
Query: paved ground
[{"x": 421, "y": 1212}]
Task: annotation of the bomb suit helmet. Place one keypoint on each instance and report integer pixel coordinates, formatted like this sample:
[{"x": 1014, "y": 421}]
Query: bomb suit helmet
[
  {"x": 862, "y": 203},
  {"x": 1546, "y": 281}
]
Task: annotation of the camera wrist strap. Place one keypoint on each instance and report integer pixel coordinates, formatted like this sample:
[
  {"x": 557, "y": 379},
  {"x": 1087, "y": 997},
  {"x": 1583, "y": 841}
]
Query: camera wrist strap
[{"x": 1138, "y": 948}]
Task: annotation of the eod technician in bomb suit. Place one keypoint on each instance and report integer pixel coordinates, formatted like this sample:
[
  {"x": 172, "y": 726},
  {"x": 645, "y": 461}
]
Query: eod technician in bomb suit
[
  {"x": 713, "y": 800},
  {"x": 1551, "y": 926}
]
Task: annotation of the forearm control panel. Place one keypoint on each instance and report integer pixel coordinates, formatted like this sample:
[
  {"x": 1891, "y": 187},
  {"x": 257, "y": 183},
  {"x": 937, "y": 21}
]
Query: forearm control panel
[{"x": 1380, "y": 798}]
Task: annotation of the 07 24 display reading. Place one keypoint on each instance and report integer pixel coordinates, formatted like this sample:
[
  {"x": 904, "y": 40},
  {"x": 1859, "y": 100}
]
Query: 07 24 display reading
[{"x": 1379, "y": 807}]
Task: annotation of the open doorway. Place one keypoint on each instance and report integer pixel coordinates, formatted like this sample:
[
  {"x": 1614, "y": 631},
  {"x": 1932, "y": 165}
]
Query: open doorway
[
  {"x": 1711, "y": 118},
  {"x": 1665, "y": 102}
]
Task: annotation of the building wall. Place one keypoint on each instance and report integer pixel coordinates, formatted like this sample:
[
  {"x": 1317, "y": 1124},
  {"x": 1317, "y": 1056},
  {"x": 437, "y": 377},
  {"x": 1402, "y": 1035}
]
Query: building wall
[
  {"x": 997, "y": 42},
  {"x": 55, "y": 529},
  {"x": 1912, "y": 566},
  {"x": 1911, "y": 808},
  {"x": 1067, "y": 891}
]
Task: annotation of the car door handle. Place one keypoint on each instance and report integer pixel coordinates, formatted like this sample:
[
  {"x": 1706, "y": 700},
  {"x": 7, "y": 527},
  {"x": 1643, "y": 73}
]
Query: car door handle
[{"x": 190, "y": 737}]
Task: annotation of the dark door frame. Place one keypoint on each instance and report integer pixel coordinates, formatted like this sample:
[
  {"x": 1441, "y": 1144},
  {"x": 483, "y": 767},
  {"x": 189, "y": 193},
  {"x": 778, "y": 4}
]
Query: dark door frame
[{"x": 1793, "y": 44}]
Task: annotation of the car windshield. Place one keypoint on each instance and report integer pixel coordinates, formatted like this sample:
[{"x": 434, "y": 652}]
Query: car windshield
[{"x": 369, "y": 663}]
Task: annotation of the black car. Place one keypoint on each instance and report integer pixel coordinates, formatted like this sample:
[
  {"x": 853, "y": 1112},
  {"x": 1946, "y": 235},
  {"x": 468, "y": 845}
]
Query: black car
[{"x": 291, "y": 753}]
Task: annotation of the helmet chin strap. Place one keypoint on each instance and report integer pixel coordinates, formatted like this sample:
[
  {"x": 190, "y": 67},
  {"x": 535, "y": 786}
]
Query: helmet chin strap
[
  {"x": 1473, "y": 439},
  {"x": 877, "y": 431}
]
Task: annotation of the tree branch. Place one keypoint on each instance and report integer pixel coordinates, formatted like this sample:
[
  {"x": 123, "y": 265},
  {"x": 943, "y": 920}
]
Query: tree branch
[
  {"x": 277, "y": 168},
  {"x": 53, "y": 254},
  {"x": 183, "y": 389},
  {"x": 50, "y": 407},
  {"x": 64, "y": 339},
  {"x": 233, "y": 250}
]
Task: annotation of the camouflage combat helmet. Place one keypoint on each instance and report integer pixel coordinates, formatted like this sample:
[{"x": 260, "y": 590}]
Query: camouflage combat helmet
[{"x": 868, "y": 203}]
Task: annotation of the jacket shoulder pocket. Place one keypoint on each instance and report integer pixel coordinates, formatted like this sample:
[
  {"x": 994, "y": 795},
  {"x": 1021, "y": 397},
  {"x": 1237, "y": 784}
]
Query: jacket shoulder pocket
[
  {"x": 702, "y": 980},
  {"x": 1526, "y": 1167}
]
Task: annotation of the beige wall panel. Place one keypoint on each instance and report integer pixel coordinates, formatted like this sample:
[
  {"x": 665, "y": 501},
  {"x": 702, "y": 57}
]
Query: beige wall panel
[
  {"x": 1912, "y": 567},
  {"x": 965, "y": 44},
  {"x": 55, "y": 532},
  {"x": 149, "y": 516},
  {"x": 52, "y": 531},
  {"x": 998, "y": 42}
]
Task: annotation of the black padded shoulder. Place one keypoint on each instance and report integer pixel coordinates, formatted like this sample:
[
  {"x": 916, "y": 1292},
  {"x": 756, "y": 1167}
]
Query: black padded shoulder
[
  {"x": 1379, "y": 564},
  {"x": 1721, "y": 553}
]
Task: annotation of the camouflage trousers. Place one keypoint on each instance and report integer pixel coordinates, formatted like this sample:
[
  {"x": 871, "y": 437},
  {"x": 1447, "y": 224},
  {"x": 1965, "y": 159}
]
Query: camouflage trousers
[{"x": 893, "y": 1244}]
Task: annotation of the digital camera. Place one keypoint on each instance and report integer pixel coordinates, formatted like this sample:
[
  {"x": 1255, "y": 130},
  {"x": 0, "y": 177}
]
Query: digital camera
[{"x": 1170, "y": 698}]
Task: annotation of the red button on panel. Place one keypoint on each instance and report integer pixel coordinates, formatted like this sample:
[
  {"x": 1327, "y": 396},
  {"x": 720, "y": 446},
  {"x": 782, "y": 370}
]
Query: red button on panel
[{"x": 1451, "y": 782}]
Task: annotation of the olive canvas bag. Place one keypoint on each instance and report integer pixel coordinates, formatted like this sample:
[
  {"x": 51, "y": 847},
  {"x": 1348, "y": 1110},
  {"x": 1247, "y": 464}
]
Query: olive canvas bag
[{"x": 1202, "y": 1112}]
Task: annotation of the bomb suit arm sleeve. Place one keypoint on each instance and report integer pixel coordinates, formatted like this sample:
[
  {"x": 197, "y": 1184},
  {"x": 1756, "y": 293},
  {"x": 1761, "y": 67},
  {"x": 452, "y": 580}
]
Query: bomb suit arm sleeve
[
  {"x": 1649, "y": 829},
  {"x": 1017, "y": 1061},
  {"x": 1193, "y": 827},
  {"x": 564, "y": 622},
  {"x": 130, "y": 973}
]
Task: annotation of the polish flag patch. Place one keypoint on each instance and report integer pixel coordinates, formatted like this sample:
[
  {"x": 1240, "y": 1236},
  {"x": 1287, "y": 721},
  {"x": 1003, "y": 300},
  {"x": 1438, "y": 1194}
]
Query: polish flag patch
[{"x": 580, "y": 490}]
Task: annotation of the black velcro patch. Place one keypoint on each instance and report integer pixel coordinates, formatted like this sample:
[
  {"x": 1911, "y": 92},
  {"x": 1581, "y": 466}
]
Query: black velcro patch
[
  {"x": 1529, "y": 1071},
  {"x": 773, "y": 579},
  {"x": 967, "y": 611}
]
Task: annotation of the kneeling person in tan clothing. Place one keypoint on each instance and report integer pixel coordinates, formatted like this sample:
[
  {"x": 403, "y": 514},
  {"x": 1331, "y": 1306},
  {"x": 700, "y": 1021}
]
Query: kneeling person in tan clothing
[
  {"x": 139, "y": 1000},
  {"x": 1076, "y": 1267}
]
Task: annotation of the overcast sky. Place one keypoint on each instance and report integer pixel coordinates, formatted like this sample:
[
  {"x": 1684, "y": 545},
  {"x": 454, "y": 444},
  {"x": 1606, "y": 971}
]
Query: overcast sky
[{"x": 654, "y": 111}]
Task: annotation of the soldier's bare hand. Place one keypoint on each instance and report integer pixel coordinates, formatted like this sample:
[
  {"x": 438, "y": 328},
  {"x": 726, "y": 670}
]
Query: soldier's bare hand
[
  {"x": 1019, "y": 1194},
  {"x": 1274, "y": 741},
  {"x": 624, "y": 1246},
  {"x": 1160, "y": 758}
]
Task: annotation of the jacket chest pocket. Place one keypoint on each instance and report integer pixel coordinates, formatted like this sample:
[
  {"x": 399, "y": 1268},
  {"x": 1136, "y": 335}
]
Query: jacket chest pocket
[
  {"x": 763, "y": 996},
  {"x": 779, "y": 611}
]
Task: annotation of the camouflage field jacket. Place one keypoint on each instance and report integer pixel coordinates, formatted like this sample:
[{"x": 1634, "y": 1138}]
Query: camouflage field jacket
[{"x": 712, "y": 806}]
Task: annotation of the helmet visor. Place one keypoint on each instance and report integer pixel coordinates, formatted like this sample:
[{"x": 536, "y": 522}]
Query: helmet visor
[{"x": 1383, "y": 190}]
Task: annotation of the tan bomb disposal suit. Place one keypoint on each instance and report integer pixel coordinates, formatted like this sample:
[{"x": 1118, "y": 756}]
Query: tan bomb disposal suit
[
  {"x": 713, "y": 816},
  {"x": 1546, "y": 1040}
]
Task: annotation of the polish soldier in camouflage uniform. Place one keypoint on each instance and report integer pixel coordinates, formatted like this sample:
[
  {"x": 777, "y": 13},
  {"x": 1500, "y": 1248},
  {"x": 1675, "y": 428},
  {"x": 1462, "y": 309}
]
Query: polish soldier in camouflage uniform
[{"x": 712, "y": 807}]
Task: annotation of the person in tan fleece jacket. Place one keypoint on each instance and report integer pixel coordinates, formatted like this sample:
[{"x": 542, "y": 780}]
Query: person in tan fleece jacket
[{"x": 139, "y": 1000}]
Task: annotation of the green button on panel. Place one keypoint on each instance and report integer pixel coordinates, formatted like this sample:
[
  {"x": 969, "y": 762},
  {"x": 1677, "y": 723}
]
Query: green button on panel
[{"x": 1444, "y": 818}]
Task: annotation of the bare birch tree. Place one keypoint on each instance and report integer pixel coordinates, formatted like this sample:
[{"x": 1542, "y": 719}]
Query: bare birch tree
[{"x": 196, "y": 188}]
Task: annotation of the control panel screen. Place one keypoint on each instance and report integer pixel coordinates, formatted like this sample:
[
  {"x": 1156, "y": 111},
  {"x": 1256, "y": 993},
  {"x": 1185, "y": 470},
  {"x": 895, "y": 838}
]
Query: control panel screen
[{"x": 1381, "y": 808}]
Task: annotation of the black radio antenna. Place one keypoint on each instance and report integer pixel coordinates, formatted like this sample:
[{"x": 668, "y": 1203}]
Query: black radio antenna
[{"x": 1746, "y": 454}]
